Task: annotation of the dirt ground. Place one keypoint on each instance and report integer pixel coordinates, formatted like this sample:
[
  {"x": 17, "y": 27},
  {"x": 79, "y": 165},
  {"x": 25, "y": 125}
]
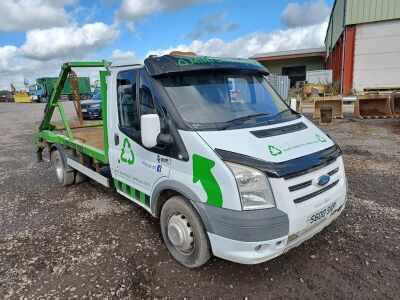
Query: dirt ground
[{"x": 86, "y": 241}]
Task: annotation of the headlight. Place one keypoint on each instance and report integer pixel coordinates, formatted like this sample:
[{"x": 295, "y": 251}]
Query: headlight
[{"x": 254, "y": 189}]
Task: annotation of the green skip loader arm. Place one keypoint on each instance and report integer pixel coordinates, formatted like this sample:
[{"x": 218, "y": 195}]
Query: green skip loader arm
[{"x": 47, "y": 133}]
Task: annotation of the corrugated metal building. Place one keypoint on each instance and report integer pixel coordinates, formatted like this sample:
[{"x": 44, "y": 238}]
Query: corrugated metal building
[
  {"x": 294, "y": 63},
  {"x": 363, "y": 44}
]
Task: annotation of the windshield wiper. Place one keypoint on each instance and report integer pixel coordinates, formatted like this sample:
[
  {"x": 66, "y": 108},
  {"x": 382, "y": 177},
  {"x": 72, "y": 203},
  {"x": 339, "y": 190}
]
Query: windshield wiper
[
  {"x": 241, "y": 120},
  {"x": 282, "y": 112}
]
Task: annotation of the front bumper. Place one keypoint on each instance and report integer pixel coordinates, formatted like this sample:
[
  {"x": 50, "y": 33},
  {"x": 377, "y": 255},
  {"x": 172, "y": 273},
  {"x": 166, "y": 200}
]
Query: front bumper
[
  {"x": 261, "y": 251},
  {"x": 92, "y": 113}
]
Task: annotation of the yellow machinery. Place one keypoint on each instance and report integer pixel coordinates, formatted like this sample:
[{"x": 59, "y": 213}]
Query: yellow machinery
[
  {"x": 311, "y": 89},
  {"x": 20, "y": 96},
  {"x": 373, "y": 105},
  {"x": 335, "y": 101}
]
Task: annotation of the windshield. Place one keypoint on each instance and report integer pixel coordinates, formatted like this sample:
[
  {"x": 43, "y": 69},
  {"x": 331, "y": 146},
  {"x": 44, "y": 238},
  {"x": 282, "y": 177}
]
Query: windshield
[
  {"x": 96, "y": 96},
  {"x": 211, "y": 101}
]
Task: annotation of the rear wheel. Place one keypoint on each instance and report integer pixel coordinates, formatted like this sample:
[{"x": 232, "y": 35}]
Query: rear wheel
[
  {"x": 63, "y": 176},
  {"x": 184, "y": 233},
  {"x": 80, "y": 177},
  {"x": 43, "y": 99}
]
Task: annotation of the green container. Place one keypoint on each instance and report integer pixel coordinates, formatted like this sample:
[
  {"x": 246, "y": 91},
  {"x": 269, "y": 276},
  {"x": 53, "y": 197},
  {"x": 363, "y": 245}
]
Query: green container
[{"x": 49, "y": 82}]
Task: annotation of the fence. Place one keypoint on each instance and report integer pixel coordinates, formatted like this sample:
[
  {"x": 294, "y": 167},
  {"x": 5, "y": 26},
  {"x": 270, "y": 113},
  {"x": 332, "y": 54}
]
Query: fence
[
  {"x": 280, "y": 84},
  {"x": 319, "y": 76}
]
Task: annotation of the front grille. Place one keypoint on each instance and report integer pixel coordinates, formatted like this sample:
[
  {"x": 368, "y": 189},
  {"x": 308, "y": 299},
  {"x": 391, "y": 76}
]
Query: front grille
[
  {"x": 334, "y": 171},
  {"x": 307, "y": 183},
  {"x": 279, "y": 131},
  {"x": 300, "y": 186},
  {"x": 312, "y": 195},
  {"x": 309, "y": 170}
]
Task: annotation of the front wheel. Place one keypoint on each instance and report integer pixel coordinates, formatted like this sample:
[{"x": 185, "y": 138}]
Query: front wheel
[
  {"x": 184, "y": 233},
  {"x": 43, "y": 99}
]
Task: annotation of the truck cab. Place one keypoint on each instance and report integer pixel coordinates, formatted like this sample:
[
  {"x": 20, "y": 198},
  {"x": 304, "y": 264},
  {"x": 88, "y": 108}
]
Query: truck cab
[
  {"x": 207, "y": 146},
  {"x": 37, "y": 92}
]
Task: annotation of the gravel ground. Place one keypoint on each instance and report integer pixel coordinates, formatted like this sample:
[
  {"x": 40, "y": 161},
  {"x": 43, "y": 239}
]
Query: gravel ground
[{"x": 86, "y": 241}]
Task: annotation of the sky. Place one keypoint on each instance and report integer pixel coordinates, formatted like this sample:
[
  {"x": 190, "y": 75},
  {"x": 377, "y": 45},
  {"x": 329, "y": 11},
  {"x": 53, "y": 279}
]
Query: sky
[{"x": 37, "y": 36}]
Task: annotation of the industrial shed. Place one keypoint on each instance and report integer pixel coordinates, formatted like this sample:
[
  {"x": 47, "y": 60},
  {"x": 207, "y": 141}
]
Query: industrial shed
[
  {"x": 362, "y": 48},
  {"x": 294, "y": 63},
  {"x": 363, "y": 44}
]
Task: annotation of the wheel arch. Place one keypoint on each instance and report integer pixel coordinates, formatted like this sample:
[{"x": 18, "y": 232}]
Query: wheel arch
[{"x": 166, "y": 189}]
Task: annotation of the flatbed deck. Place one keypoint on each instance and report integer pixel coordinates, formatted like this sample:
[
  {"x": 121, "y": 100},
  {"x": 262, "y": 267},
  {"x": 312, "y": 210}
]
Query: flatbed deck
[
  {"x": 88, "y": 138},
  {"x": 92, "y": 136}
]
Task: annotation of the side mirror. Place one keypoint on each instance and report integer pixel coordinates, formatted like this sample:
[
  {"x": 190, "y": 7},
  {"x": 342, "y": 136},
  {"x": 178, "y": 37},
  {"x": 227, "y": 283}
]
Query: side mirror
[{"x": 150, "y": 129}]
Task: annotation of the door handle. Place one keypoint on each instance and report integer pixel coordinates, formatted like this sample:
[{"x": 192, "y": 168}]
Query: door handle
[{"x": 116, "y": 139}]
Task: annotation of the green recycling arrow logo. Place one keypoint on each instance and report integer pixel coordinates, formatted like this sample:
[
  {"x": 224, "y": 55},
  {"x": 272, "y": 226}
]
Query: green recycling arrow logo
[
  {"x": 274, "y": 150},
  {"x": 127, "y": 155},
  {"x": 320, "y": 138},
  {"x": 202, "y": 172},
  {"x": 182, "y": 63}
]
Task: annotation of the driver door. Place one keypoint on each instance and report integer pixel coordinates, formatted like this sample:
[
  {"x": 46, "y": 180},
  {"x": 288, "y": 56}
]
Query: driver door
[{"x": 135, "y": 169}]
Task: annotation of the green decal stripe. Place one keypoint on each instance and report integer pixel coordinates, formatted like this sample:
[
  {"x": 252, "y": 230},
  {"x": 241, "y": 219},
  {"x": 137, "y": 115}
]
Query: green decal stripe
[
  {"x": 142, "y": 197},
  {"x": 137, "y": 194},
  {"x": 202, "y": 172},
  {"x": 115, "y": 183},
  {"x": 147, "y": 200},
  {"x": 124, "y": 187},
  {"x": 134, "y": 193}
]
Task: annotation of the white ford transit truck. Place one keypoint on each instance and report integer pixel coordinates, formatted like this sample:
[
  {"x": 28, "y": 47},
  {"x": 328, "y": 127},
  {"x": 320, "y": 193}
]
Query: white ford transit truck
[{"x": 207, "y": 146}]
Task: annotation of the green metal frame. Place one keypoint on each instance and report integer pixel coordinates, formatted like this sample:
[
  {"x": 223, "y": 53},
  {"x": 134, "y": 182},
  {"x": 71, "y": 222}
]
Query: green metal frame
[{"x": 46, "y": 130}]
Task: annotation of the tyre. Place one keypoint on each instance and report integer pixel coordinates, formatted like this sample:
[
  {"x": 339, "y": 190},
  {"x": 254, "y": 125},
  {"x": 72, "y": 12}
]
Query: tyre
[
  {"x": 43, "y": 99},
  {"x": 183, "y": 233},
  {"x": 80, "y": 177},
  {"x": 64, "y": 177},
  {"x": 83, "y": 97}
]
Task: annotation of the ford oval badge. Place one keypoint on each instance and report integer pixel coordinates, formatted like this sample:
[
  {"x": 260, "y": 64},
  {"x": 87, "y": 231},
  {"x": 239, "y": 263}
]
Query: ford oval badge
[{"x": 323, "y": 180}]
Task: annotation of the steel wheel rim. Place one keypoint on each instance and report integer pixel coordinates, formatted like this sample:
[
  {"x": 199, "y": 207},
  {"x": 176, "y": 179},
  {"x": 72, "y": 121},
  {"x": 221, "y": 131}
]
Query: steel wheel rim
[
  {"x": 58, "y": 167},
  {"x": 180, "y": 233}
]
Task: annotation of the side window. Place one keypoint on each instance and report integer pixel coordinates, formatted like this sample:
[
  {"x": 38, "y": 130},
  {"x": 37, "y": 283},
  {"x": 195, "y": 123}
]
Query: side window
[
  {"x": 146, "y": 97},
  {"x": 148, "y": 102},
  {"x": 127, "y": 105}
]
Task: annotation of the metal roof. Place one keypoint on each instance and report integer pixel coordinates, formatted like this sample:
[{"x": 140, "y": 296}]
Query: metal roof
[{"x": 295, "y": 53}]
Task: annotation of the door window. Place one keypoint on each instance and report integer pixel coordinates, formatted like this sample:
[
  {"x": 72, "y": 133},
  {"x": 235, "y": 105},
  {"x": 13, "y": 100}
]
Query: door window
[
  {"x": 148, "y": 100},
  {"x": 127, "y": 103}
]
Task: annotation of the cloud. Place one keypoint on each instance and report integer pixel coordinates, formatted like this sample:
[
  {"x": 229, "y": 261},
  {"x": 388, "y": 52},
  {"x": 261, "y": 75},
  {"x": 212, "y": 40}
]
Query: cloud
[
  {"x": 32, "y": 14},
  {"x": 256, "y": 42},
  {"x": 45, "y": 50},
  {"x": 67, "y": 41},
  {"x": 119, "y": 55},
  {"x": 132, "y": 11},
  {"x": 212, "y": 24},
  {"x": 305, "y": 14},
  {"x": 14, "y": 67}
]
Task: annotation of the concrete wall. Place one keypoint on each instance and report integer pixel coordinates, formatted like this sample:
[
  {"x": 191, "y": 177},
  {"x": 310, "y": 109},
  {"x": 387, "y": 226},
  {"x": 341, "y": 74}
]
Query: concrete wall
[
  {"x": 377, "y": 55},
  {"x": 311, "y": 63}
]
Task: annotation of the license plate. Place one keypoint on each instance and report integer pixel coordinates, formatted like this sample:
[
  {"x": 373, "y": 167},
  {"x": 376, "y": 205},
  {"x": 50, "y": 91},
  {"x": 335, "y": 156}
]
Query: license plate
[
  {"x": 84, "y": 110},
  {"x": 322, "y": 214}
]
